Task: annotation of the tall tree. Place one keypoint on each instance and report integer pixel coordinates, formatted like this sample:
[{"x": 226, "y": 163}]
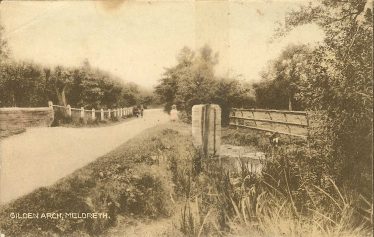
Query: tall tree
[
  {"x": 281, "y": 79},
  {"x": 4, "y": 49},
  {"x": 193, "y": 81},
  {"x": 339, "y": 85}
]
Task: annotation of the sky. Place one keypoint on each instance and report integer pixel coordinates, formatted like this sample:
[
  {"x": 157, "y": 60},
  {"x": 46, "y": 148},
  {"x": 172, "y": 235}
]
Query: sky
[{"x": 137, "y": 40}]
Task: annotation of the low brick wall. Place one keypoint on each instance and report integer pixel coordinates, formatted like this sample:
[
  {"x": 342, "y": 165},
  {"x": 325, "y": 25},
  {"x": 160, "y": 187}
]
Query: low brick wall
[{"x": 15, "y": 118}]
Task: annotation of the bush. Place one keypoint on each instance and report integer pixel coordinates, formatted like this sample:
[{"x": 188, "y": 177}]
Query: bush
[{"x": 145, "y": 196}]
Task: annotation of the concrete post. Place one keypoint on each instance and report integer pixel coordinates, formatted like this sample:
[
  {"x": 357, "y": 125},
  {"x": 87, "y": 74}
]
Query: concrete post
[
  {"x": 82, "y": 112},
  {"x": 109, "y": 113},
  {"x": 206, "y": 128},
  {"x": 93, "y": 114},
  {"x": 68, "y": 110},
  {"x": 102, "y": 114}
]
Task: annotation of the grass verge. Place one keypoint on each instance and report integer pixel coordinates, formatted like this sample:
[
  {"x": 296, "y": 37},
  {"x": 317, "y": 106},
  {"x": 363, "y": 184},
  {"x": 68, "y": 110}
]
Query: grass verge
[
  {"x": 132, "y": 181},
  {"x": 159, "y": 175}
]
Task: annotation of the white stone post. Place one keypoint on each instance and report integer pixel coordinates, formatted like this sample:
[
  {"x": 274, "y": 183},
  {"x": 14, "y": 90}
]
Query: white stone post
[
  {"x": 102, "y": 114},
  {"x": 68, "y": 108},
  {"x": 108, "y": 113},
  {"x": 93, "y": 114},
  {"x": 82, "y": 112},
  {"x": 206, "y": 128}
]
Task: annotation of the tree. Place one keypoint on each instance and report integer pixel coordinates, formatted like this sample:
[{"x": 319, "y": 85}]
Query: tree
[
  {"x": 192, "y": 81},
  {"x": 4, "y": 50},
  {"x": 339, "y": 85},
  {"x": 27, "y": 84},
  {"x": 61, "y": 78},
  {"x": 280, "y": 81}
]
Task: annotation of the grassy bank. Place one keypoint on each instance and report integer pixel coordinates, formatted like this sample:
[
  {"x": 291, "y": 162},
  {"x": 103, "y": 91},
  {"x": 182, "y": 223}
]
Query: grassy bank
[
  {"x": 155, "y": 181},
  {"x": 131, "y": 181}
]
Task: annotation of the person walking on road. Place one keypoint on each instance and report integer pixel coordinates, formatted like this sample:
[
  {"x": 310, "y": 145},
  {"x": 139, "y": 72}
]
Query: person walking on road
[{"x": 174, "y": 113}]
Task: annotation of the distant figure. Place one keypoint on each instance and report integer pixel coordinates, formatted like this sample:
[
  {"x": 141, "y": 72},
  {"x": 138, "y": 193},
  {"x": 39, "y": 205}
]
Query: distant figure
[
  {"x": 135, "y": 111},
  {"x": 141, "y": 110},
  {"x": 174, "y": 113}
]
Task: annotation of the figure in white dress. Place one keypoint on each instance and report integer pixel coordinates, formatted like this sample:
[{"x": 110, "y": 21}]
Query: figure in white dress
[{"x": 174, "y": 113}]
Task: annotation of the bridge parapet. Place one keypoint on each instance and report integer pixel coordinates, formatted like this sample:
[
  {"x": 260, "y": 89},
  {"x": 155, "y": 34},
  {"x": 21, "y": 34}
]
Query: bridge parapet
[{"x": 293, "y": 123}]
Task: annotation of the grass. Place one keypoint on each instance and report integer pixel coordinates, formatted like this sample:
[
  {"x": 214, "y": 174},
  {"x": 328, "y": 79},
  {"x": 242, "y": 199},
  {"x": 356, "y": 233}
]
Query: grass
[
  {"x": 132, "y": 181},
  {"x": 221, "y": 203},
  {"x": 156, "y": 179}
]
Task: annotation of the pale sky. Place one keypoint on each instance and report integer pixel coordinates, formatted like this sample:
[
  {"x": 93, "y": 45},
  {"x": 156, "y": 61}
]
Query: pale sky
[{"x": 136, "y": 40}]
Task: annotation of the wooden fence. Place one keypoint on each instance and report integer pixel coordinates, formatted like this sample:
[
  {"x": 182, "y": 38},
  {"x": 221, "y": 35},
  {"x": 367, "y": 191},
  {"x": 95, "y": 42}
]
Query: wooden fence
[
  {"x": 83, "y": 114},
  {"x": 293, "y": 123}
]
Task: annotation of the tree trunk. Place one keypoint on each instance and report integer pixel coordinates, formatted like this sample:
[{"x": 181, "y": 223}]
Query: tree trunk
[
  {"x": 14, "y": 100},
  {"x": 61, "y": 96}
]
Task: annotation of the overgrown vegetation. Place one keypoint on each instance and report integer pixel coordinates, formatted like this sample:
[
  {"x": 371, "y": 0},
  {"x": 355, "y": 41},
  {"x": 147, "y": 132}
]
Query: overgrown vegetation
[
  {"x": 334, "y": 80},
  {"x": 156, "y": 175},
  {"x": 133, "y": 181},
  {"x": 283, "y": 201}
]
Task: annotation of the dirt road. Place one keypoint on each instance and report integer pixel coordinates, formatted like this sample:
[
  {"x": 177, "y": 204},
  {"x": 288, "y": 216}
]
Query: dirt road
[{"x": 41, "y": 156}]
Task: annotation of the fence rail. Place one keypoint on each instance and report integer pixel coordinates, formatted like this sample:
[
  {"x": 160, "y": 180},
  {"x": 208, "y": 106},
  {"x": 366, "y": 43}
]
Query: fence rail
[
  {"x": 76, "y": 113},
  {"x": 292, "y": 123}
]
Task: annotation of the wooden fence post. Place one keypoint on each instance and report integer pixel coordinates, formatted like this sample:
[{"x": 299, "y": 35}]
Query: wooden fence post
[
  {"x": 82, "y": 112},
  {"x": 50, "y": 104},
  {"x": 93, "y": 114},
  {"x": 108, "y": 113},
  {"x": 121, "y": 112},
  {"x": 102, "y": 114},
  {"x": 68, "y": 108}
]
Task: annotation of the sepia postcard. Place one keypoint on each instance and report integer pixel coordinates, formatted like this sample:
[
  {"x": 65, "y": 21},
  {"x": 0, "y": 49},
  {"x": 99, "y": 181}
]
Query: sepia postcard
[{"x": 186, "y": 118}]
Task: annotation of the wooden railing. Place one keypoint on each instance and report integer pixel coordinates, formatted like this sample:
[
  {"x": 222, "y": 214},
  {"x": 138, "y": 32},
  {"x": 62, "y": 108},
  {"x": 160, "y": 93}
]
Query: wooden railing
[
  {"x": 92, "y": 114},
  {"x": 293, "y": 123}
]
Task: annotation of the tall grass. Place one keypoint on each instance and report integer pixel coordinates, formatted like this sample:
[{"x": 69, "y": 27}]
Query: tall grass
[{"x": 282, "y": 201}]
